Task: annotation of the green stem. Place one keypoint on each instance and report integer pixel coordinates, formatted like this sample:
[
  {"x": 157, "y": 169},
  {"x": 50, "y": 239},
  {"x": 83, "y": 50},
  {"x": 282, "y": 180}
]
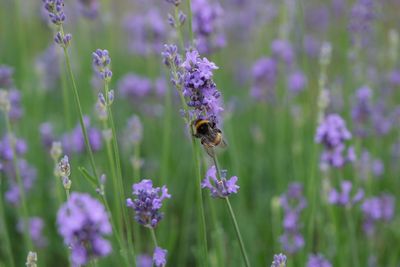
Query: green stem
[
  {"x": 24, "y": 209},
  {"x": 233, "y": 217},
  {"x": 190, "y": 21},
  {"x": 4, "y": 231},
  {"x": 350, "y": 224},
  {"x": 153, "y": 236},
  {"x": 119, "y": 173}
]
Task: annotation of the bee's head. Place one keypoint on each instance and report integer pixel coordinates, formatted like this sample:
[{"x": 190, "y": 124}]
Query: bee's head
[{"x": 202, "y": 126}]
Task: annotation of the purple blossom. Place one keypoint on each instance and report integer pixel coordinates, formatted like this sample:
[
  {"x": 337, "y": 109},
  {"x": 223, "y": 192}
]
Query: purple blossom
[
  {"x": 362, "y": 110},
  {"x": 318, "y": 260},
  {"x": 393, "y": 77},
  {"x": 332, "y": 133},
  {"x": 144, "y": 260},
  {"x": 55, "y": 11},
  {"x": 293, "y": 202},
  {"x": 89, "y": 8},
  {"x": 345, "y": 196},
  {"x": 367, "y": 166},
  {"x": 62, "y": 39},
  {"x": 47, "y": 65},
  {"x": 159, "y": 257},
  {"x": 219, "y": 188},
  {"x": 377, "y": 209},
  {"x": 279, "y": 260},
  {"x": 207, "y": 26},
  {"x": 6, "y": 151},
  {"x": 199, "y": 87},
  {"x": 134, "y": 130},
  {"x": 146, "y": 32},
  {"x": 134, "y": 87},
  {"x": 282, "y": 50},
  {"x": 36, "y": 225},
  {"x": 361, "y": 17},
  {"x": 264, "y": 75},
  {"x": 148, "y": 202},
  {"x": 46, "y": 134},
  {"x": 83, "y": 222},
  {"x": 6, "y": 76},
  {"x": 101, "y": 64},
  {"x": 297, "y": 81},
  {"x": 16, "y": 111}
]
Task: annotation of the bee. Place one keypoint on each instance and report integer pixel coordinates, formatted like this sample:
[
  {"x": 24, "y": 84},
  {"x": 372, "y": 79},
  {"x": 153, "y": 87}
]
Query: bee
[{"x": 209, "y": 135}]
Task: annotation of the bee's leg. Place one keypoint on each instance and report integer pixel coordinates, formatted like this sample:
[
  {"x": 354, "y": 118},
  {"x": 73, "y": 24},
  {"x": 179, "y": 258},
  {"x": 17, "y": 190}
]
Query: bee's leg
[{"x": 210, "y": 151}]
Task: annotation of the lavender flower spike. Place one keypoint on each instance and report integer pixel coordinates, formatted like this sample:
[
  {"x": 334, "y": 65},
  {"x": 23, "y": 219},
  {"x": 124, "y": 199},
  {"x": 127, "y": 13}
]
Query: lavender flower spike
[
  {"x": 317, "y": 260},
  {"x": 55, "y": 11},
  {"x": 83, "y": 222},
  {"x": 219, "y": 188},
  {"x": 159, "y": 257},
  {"x": 279, "y": 260},
  {"x": 148, "y": 202},
  {"x": 101, "y": 64}
]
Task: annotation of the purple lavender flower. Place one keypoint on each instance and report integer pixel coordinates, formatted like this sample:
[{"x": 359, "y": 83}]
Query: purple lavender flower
[
  {"x": 36, "y": 225},
  {"x": 144, "y": 260},
  {"x": 148, "y": 202},
  {"x": 264, "y": 73},
  {"x": 293, "y": 202},
  {"x": 282, "y": 50},
  {"x": 207, "y": 26},
  {"x": 199, "y": 87},
  {"x": 297, "y": 81},
  {"x": 393, "y": 77},
  {"x": 332, "y": 133},
  {"x": 219, "y": 188},
  {"x": 318, "y": 260},
  {"x": 55, "y": 11},
  {"x": 377, "y": 209},
  {"x": 6, "y": 76},
  {"x": 134, "y": 130},
  {"x": 83, "y": 222},
  {"x": 146, "y": 33},
  {"x": 159, "y": 257},
  {"x": 16, "y": 111},
  {"x": 279, "y": 260},
  {"x": 174, "y": 2},
  {"x": 89, "y": 8},
  {"x": 62, "y": 39},
  {"x": 368, "y": 166},
  {"x": 134, "y": 87},
  {"x": 344, "y": 198},
  {"x": 101, "y": 64},
  {"x": 47, "y": 66},
  {"x": 6, "y": 152},
  {"x": 362, "y": 110},
  {"x": 46, "y": 134},
  {"x": 361, "y": 17}
]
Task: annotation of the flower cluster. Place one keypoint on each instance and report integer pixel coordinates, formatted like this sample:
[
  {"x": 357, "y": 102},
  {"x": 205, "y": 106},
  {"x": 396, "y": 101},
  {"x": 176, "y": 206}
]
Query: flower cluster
[
  {"x": 377, "y": 209},
  {"x": 31, "y": 259},
  {"x": 344, "y": 197},
  {"x": 332, "y": 133},
  {"x": 362, "y": 110},
  {"x": 83, "y": 222},
  {"x": 279, "y": 260},
  {"x": 318, "y": 260},
  {"x": 101, "y": 64},
  {"x": 264, "y": 76},
  {"x": 293, "y": 202},
  {"x": 199, "y": 88},
  {"x": 207, "y": 26},
  {"x": 148, "y": 202},
  {"x": 55, "y": 11},
  {"x": 219, "y": 188},
  {"x": 6, "y": 76},
  {"x": 282, "y": 50},
  {"x": 361, "y": 17},
  {"x": 159, "y": 257},
  {"x": 146, "y": 33},
  {"x": 368, "y": 166},
  {"x": 36, "y": 225},
  {"x": 47, "y": 66},
  {"x": 10, "y": 99},
  {"x": 89, "y": 8}
]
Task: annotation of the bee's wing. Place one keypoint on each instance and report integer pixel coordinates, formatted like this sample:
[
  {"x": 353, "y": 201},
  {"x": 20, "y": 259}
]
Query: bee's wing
[
  {"x": 209, "y": 150},
  {"x": 223, "y": 144}
]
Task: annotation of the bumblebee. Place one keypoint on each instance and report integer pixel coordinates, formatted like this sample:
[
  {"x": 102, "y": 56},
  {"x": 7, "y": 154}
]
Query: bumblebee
[{"x": 209, "y": 135}]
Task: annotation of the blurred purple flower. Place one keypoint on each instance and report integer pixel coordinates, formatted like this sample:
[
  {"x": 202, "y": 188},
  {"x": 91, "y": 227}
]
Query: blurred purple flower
[
  {"x": 279, "y": 260},
  {"x": 134, "y": 130},
  {"x": 134, "y": 87},
  {"x": 16, "y": 110},
  {"x": 6, "y": 76},
  {"x": 83, "y": 222},
  {"x": 148, "y": 202},
  {"x": 292, "y": 241},
  {"x": 46, "y": 134},
  {"x": 282, "y": 50},
  {"x": 332, "y": 133},
  {"x": 344, "y": 197},
  {"x": 265, "y": 74},
  {"x": 219, "y": 188},
  {"x": 207, "y": 26},
  {"x": 47, "y": 65},
  {"x": 159, "y": 257},
  {"x": 362, "y": 111},
  {"x": 89, "y": 8},
  {"x": 6, "y": 152},
  {"x": 318, "y": 260},
  {"x": 36, "y": 225},
  {"x": 144, "y": 260},
  {"x": 377, "y": 209},
  {"x": 297, "y": 81},
  {"x": 393, "y": 77},
  {"x": 368, "y": 166},
  {"x": 146, "y": 32},
  {"x": 361, "y": 16}
]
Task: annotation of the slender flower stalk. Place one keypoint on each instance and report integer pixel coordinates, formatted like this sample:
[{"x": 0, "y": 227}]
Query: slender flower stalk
[
  {"x": 24, "y": 209},
  {"x": 4, "y": 232},
  {"x": 233, "y": 217}
]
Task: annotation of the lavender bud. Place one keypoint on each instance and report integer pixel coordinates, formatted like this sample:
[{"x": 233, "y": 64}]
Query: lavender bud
[
  {"x": 56, "y": 150},
  {"x": 171, "y": 21},
  {"x": 63, "y": 40},
  {"x": 64, "y": 169},
  {"x": 31, "y": 259},
  {"x": 5, "y": 104},
  {"x": 325, "y": 56},
  {"x": 181, "y": 17},
  {"x": 66, "y": 183},
  {"x": 110, "y": 97},
  {"x": 102, "y": 99}
]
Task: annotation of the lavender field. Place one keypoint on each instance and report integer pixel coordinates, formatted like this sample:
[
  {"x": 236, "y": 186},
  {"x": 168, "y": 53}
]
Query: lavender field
[{"x": 200, "y": 133}]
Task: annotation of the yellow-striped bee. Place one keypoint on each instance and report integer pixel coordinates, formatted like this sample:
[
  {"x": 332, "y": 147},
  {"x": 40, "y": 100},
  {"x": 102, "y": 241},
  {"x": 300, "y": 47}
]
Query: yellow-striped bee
[{"x": 209, "y": 135}]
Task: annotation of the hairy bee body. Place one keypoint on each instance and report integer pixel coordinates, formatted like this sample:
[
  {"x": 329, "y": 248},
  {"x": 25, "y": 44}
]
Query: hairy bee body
[{"x": 209, "y": 135}]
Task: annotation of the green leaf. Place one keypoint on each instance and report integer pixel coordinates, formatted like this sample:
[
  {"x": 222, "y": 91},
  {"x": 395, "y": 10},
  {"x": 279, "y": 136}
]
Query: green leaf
[{"x": 92, "y": 180}]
